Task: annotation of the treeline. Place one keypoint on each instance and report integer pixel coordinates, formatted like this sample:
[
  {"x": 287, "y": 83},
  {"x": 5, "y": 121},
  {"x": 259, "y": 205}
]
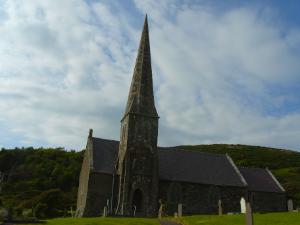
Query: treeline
[
  {"x": 44, "y": 181},
  {"x": 41, "y": 181}
]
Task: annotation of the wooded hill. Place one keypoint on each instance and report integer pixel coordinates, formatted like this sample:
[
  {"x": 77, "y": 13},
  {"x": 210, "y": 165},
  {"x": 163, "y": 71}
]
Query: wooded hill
[{"x": 46, "y": 180}]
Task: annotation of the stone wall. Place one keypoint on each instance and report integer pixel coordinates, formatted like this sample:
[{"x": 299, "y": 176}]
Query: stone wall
[
  {"x": 99, "y": 191},
  {"x": 268, "y": 202},
  {"x": 138, "y": 166},
  {"x": 94, "y": 188},
  {"x": 199, "y": 198},
  {"x": 195, "y": 198},
  {"x": 83, "y": 181}
]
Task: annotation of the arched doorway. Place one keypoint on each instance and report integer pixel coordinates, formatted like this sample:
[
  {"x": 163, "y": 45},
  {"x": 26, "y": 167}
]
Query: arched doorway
[{"x": 137, "y": 201}]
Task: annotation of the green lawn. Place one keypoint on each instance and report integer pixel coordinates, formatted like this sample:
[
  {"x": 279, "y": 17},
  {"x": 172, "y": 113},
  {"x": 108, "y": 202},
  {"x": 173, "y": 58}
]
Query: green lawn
[
  {"x": 259, "y": 219},
  {"x": 104, "y": 221}
]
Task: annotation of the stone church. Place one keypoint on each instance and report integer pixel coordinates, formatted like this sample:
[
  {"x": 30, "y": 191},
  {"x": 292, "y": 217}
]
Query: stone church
[{"x": 129, "y": 177}]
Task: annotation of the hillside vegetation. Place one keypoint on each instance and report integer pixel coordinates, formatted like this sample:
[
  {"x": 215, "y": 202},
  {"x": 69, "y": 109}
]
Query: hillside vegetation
[{"x": 46, "y": 180}]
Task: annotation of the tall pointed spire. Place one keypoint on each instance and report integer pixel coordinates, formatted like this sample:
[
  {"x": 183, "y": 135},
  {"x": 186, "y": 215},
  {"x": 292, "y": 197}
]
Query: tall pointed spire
[
  {"x": 141, "y": 98},
  {"x": 137, "y": 164}
]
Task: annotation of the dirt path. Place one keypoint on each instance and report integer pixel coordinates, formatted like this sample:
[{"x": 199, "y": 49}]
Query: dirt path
[{"x": 168, "y": 222}]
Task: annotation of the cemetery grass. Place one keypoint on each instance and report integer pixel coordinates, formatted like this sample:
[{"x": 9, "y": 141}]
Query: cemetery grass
[
  {"x": 101, "y": 220},
  {"x": 259, "y": 219}
]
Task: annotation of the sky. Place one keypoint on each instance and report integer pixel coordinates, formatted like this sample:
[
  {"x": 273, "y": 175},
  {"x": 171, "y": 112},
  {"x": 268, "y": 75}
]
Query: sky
[{"x": 223, "y": 71}]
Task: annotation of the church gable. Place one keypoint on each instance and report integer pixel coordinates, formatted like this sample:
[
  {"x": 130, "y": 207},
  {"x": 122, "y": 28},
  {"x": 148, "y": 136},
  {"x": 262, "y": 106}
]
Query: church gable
[{"x": 261, "y": 180}]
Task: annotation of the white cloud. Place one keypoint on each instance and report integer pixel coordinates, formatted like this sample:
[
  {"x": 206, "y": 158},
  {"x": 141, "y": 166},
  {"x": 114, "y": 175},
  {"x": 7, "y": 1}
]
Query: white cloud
[
  {"x": 66, "y": 67},
  {"x": 64, "y": 70},
  {"x": 217, "y": 69}
]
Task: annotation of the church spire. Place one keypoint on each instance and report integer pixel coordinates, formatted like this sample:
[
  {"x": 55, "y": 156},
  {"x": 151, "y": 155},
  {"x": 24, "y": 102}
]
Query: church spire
[
  {"x": 141, "y": 98},
  {"x": 137, "y": 164}
]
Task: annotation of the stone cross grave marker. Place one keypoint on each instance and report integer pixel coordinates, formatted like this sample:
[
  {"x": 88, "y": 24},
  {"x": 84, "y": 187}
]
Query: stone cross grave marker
[
  {"x": 104, "y": 211},
  {"x": 180, "y": 210},
  {"x": 220, "y": 208},
  {"x": 243, "y": 205},
  {"x": 290, "y": 205}
]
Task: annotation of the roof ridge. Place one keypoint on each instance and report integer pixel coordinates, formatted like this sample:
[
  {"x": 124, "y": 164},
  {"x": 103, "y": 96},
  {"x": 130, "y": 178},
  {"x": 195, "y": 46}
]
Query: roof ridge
[
  {"x": 246, "y": 167},
  {"x": 105, "y": 139},
  {"x": 175, "y": 148},
  {"x": 275, "y": 180}
]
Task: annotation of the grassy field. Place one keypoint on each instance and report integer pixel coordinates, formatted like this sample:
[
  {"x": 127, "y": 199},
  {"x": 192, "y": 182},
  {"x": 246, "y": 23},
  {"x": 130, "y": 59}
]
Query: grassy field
[
  {"x": 104, "y": 221},
  {"x": 259, "y": 219}
]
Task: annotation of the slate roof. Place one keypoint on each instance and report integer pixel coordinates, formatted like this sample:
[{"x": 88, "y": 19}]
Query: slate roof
[
  {"x": 105, "y": 153},
  {"x": 174, "y": 164},
  {"x": 261, "y": 180},
  {"x": 191, "y": 166},
  {"x": 197, "y": 167}
]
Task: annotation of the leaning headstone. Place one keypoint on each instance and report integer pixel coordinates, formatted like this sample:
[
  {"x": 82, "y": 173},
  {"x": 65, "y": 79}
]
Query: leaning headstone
[
  {"x": 243, "y": 205},
  {"x": 134, "y": 210},
  {"x": 104, "y": 214},
  {"x": 220, "y": 208},
  {"x": 107, "y": 205},
  {"x": 249, "y": 214},
  {"x": 290, "y": 205},
  {"x": 180, "y": 210},
  {"x": 160, "y": 210}
]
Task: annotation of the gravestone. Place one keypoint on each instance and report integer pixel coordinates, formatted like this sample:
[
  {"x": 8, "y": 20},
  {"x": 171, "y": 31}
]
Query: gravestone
[
  {"x": 243, "y": 205},
  {"x": 160, "y": 210},
  {"x": 290, "y": 205},
  {"x": 175, "y": 215},
  {"x": 104, "y": 211},
  {"x": 134, "y": 209},
  {"x": 220, "y": 208},
  {"x": 249, "y": 214},
  {"x": 180, "y": 210},
  {"x": 107, "y": 205}
]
